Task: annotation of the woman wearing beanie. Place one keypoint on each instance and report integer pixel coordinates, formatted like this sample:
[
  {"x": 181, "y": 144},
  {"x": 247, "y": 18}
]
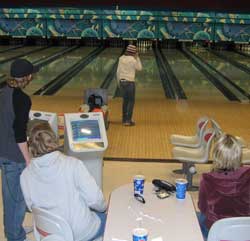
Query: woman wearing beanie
[
  {"x": 14, "y": 156},
  {"x": 127, "y": 66}
]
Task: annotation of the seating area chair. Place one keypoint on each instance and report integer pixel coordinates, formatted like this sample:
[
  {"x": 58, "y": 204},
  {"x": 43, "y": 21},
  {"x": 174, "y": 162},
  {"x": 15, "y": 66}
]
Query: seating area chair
[
  {"x": 190, "y": 156},
  {"x": 219, "y": 132},
  {"x": 228, "y": 229},
  {"x": 245, "y": 151},
  {"x": 47, "y": 223},
  {"x": 53, "y": 237},
  {"x": 191, "y": 141},
  {"x": 245, "y": 155}
]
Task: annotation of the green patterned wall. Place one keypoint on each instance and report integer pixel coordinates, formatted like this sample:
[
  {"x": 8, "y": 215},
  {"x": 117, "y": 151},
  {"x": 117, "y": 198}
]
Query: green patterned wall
[{"x": 129, "y": 24}]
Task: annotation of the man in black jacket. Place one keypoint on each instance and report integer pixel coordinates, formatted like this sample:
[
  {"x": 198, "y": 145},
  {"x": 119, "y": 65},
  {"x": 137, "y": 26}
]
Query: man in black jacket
[{"x": 15, "y": 106}]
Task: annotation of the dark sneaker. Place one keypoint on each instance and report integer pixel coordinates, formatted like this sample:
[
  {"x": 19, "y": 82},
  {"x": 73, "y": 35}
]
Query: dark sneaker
[{"x": 130, "y": 123}]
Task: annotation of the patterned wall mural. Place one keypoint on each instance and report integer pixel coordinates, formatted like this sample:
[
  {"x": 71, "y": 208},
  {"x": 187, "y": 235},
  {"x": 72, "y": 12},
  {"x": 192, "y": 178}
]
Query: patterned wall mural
[
  {"x": 74, "y": 28},
  {"x": 128, "y": 24},
  {"x": 232, "y": 32},
  {"x": 23, "y": 27},
  {"x": 186, "y": 31},
  {"x": 129, "y": 29}
]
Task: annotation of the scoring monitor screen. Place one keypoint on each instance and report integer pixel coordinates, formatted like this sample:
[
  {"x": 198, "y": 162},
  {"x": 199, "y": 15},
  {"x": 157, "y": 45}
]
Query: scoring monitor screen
[{"x": 85, "y": 130}]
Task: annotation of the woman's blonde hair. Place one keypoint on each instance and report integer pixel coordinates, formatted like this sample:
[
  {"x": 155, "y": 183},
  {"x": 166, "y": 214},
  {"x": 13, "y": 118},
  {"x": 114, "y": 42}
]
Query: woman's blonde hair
[
  {"x": 42, "y": 139},
  {"x": 19, "y": 82},
  {"x": 227, "y": 154}
]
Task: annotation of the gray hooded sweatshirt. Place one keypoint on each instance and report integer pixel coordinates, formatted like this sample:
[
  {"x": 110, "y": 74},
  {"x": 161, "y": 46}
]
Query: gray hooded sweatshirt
[{"x": 63, "y": 185}]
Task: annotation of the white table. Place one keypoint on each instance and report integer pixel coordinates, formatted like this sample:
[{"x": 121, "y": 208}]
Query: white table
[{"x": 167, "y": 219}]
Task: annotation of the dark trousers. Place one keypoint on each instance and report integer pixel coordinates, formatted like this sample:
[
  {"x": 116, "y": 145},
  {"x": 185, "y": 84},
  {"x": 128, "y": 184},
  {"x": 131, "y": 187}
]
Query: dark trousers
[
  {"x": 128, "y": 93},
  {"x": 202, "y": 221}
]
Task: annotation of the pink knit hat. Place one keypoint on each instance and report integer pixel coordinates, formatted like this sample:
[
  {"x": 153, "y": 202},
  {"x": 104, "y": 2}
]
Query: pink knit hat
[{"x": 131, "y": 50}]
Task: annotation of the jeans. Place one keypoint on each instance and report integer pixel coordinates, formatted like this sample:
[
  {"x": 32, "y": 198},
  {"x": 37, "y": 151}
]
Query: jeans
[
  {"x": 128, "y": 93},
  {"x": 100, "y": 232},
  {"x": 202, "y": 221},
  {"x": 14, "y": 206}
]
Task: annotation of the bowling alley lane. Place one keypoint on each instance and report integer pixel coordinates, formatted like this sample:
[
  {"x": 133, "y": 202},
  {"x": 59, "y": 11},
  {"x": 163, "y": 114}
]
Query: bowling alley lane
[
  {"x": 4, "y": 68},
  {"x": 236, "y": 75},
  {"x": 52, "y": 70},
  {"x": 6, "y": 47},
  {"x": 238, "y": 57},
  {"x": 194, "y": 83},
  {"x": 148, "y": 81},
  {"x": 92, "y": 75},
  {"x": 15, "y": 52},
  {"x": 43, "y": 53}
]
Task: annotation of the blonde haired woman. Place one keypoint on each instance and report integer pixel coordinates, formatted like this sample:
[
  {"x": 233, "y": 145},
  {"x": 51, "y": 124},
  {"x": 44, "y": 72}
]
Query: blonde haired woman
[
  {"x": 14, "y": 156},
  {"x": 225, "y": 191},
  {"x": 62, "y": 185}
]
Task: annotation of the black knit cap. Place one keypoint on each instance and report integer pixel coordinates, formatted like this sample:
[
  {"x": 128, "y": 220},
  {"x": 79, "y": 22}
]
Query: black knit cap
[{"x": 21, "y": 68}]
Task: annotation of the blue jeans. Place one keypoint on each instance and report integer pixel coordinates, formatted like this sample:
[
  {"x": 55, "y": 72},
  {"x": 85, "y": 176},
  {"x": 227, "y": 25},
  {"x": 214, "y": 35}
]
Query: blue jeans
[
  {"x": 100, "y": 232},
  {"x": 13, "y": 202},
  {"x": 202, "y": 221},
  {"x": 128, "y": 93}
]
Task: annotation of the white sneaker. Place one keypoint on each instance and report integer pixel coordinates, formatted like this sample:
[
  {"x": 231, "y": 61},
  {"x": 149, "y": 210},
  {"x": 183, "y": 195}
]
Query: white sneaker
[{"x": 28, "y": 229}]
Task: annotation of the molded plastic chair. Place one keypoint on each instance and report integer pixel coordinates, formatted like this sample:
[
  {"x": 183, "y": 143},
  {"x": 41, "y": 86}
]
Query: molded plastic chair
[
  {"x": 219, "y": 132},
  {"x": 190, "y": 156},
  {"x": 53, "y": 237},
  {"x": 191, "y": 141},
  {"x": 47, "y": 223},
  {"x": 230, "y": 229},
  {"x": 245, "y": 156}
]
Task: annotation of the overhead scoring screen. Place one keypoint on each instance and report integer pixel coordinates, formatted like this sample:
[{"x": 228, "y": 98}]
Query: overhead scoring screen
[{"x": 83, "y": 130}]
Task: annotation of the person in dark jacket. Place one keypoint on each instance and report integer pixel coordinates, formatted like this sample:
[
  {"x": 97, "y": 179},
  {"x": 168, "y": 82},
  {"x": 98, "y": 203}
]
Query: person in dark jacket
[
  {"x": 225, "y": 191},
  {"x": 15, "y": 106}
]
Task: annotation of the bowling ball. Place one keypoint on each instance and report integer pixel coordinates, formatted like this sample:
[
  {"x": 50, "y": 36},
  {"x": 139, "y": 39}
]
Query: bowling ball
[
  {"x": 89, "y": 32},
  {"x": 33, "y": 31},
  {"x": 201, "y": 35},
  {"x": 145, "y": 34}
]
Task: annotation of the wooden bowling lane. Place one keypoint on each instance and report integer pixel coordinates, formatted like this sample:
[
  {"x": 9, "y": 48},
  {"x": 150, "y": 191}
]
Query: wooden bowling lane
[
  {"x": 44, "y": 53},
  {"x": 93, "y": 75},
  {"x": 55, "y": 68},
  {"x": 195, "y": 84},
  {"x": 156, "y": 120},
  {"x": 4, "y": 48},
  {"x": 4, "y": 67},
  {"x": 148, "y": 81},
  {"x": 33, "y": 57},
  {"x": 237, "y": 76},
  {"x": 18, "y": 51},
  {"x": 238, "y": 57}
]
